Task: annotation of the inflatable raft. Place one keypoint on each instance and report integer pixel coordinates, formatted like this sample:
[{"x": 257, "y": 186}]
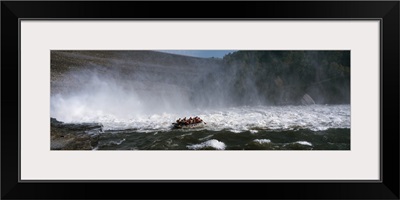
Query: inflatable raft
[{"x": 188, "y": 126}]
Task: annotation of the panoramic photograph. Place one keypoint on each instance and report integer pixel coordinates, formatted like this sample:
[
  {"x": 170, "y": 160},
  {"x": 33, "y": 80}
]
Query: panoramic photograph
[{"x": 200, "y": 100}]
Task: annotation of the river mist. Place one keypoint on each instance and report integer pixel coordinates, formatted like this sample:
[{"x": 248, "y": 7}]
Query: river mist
[
  {"x": 129, "y": 99},
  {"x": 129, "y": 83}
]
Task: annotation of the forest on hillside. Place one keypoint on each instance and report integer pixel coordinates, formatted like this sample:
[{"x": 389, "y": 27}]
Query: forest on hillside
[{"x": 284, "y": 77}]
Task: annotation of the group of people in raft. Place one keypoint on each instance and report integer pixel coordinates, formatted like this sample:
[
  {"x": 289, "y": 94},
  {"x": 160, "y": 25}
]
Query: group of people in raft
[{"x": 191, "y": 120}]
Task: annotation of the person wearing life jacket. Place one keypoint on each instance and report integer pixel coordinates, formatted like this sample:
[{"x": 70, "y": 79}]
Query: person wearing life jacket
[
  {"x": 181, "y": 121},
  {"x": 200, "y": 120}
]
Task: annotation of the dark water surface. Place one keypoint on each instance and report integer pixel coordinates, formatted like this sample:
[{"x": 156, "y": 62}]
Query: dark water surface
[
  {"x": 331, "y": 139},
  {"x": 316, "y": 127}
]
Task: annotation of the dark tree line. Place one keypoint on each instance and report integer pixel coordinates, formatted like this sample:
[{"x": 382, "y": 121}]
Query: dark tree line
[{"x": 283, "y": 77}]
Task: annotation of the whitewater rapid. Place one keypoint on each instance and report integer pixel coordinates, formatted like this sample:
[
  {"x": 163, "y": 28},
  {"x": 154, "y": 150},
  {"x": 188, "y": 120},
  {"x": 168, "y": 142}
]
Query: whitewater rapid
[{"x": 235, "y": 119}]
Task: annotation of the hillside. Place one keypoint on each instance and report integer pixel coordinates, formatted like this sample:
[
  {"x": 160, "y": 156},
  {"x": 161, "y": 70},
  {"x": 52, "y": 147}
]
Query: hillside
[
  {"x": 240, "y": 78},
  {"x": 149, "y": 67},
  {"x": 290, "y": 77}
]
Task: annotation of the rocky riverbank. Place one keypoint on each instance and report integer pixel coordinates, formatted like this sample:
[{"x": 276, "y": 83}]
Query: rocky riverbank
[{"x": 69, "y": 136}]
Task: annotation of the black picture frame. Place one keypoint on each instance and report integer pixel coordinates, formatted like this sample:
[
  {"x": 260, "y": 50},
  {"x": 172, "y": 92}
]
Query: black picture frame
[{"x": 386, "y": 11}]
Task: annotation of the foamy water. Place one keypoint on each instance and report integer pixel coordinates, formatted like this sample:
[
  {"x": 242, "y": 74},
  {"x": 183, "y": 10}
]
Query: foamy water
[
  {"x": 262, "y": 141},
  {"x": 304, "y": 143},
  {"x": 237, "y": 119},
  {"x": 210, "y": 143}
]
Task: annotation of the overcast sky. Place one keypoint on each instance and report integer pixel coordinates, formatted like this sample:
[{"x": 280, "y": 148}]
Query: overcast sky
[{"x": 201, "y": 53}]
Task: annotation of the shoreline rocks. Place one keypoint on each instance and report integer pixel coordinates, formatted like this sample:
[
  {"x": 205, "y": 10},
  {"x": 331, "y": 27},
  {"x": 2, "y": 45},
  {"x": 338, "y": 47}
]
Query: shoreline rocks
[{"x": 69, "y": 136}]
